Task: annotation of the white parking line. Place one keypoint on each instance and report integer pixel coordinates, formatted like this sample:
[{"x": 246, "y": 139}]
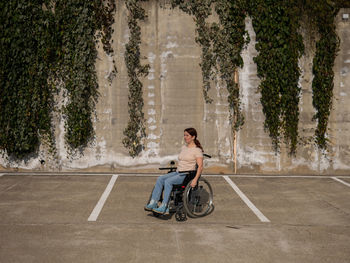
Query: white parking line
[
  {"x": 246, "y": 200},
  {"x": 341, "y": 181},
  {"x": 95, "y": 213}
]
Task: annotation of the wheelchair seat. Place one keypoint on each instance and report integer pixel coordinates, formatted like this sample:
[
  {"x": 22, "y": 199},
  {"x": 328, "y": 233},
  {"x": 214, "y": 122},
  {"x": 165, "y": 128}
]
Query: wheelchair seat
[{"x": 188, "y": 178}]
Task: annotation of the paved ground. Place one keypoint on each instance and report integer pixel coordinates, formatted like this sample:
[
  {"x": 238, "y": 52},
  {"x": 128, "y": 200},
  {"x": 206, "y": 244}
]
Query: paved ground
[{"x": 100, "y": 218}]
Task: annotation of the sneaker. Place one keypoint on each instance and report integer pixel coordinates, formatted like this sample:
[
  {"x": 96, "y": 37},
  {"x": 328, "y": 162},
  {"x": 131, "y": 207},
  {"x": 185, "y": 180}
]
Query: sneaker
[
  {"x": 150, "y": 207},
  {"x": 161, "y": 210}
]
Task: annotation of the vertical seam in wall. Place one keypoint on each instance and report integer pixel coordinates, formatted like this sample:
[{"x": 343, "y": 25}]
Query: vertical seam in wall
[{"x": 158, "y": 84}]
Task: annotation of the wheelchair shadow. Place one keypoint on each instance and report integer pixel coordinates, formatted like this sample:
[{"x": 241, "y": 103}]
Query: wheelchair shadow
[
  {"x": 170, "y": 216},
  {"x": 161, "y": 217}
]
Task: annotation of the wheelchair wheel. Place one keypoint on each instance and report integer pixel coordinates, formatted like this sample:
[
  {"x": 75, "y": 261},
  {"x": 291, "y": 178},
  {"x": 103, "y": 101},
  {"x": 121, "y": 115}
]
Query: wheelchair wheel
[
  {"x": 198, "y": 201},
  {"x": 180, "y": 216}
]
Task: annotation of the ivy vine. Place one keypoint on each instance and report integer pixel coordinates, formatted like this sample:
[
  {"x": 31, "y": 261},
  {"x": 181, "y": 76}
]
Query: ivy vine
[
  {"x": 229, "y": 38},
  {"x": 77, "y": 22},
  {"x": 221, "y": 45},
  {"x": 27, "y": 52},
  {"x": 201, "y": 10},
  {"x": 135, "y": 130},
  {"x": 280, "y": 46},
  {"x": 77, "y": 69},
  {"x": 321, "y": 15},
  {"x": 45, "y": 42}
]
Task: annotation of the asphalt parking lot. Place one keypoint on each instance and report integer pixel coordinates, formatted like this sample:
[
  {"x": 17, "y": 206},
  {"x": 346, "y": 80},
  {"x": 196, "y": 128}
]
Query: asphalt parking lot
[{"x": 100, "y": 218}]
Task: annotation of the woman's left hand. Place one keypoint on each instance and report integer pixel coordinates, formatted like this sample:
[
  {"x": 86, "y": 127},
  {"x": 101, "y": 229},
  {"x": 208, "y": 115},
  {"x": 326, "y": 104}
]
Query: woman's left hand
[{"x": 193, "y": 183}]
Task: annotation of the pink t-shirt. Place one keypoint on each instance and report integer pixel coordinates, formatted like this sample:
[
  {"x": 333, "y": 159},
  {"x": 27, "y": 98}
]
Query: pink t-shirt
[{"x": 187, "y": 158}]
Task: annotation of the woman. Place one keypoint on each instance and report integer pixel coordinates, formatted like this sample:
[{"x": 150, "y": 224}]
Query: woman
[{"x": 190, "y": 155}]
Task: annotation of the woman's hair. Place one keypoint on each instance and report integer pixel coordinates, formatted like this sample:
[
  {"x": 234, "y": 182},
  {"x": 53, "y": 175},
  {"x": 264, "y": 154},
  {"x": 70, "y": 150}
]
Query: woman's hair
[{"x": 193, "y": 132}]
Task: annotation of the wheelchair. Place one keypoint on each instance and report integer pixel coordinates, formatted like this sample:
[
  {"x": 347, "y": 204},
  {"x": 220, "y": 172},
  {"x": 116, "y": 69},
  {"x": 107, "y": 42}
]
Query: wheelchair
[{"x": 187, "y": 201}]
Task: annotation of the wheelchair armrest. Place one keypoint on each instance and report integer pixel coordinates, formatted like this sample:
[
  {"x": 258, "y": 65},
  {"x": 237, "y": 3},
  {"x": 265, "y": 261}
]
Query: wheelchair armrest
[{"x": 171, "y": 169}]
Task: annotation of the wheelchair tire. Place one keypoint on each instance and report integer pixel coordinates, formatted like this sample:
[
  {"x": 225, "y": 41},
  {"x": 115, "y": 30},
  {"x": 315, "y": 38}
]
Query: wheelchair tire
[
  {"x": 180, "y": 216},
  {"x": 198, "y": 201}
]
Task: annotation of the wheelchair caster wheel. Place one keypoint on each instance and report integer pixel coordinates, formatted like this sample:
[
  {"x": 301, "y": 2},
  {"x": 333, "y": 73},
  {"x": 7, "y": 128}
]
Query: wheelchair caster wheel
[{"x": 180, "y": 216}]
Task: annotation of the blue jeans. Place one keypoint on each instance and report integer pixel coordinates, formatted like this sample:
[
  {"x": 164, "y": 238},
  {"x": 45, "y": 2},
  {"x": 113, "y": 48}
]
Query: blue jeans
[{"x": 167, "y": 181}]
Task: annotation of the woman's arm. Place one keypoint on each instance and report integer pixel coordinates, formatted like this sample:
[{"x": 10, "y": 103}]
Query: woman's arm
[{"x": 199, "y": 161}]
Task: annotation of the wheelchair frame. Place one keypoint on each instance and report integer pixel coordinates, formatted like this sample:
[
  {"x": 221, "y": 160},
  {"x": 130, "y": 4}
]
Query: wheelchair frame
[{"x": 185, "y": 200}]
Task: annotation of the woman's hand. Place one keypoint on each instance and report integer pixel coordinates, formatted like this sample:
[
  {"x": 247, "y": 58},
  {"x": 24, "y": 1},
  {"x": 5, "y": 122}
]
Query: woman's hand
[{"x": 194, "y": 183}]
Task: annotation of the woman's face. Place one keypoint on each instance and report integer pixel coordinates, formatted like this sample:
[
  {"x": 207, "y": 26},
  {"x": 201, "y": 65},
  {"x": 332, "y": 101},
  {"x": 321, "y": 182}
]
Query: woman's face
[{"x": 188, "y": 137}]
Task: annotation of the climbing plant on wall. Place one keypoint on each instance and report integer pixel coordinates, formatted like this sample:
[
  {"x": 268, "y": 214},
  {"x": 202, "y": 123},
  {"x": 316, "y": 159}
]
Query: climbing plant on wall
[
  {"x": 27, "y": 53},
  {"x": 201, "y": 10},
  {"x": 77, "y": 69},
  {"x": 276, "y": 24},
  {"x": 49, "y": 42},
  {"x": 221, "y": 45},
  {"x": 229, "y": 38},
  {"x": 280, "y": 46},
  {"x": 77, "y": 23},
  {"x": 45, "y": 42},
  {"x": 135, "y": 130},
  {"x": 321, "y": 15}
]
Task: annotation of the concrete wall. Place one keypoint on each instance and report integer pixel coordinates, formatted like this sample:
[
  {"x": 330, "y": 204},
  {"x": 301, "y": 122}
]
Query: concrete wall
[{"x": 174, "y": 101}]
